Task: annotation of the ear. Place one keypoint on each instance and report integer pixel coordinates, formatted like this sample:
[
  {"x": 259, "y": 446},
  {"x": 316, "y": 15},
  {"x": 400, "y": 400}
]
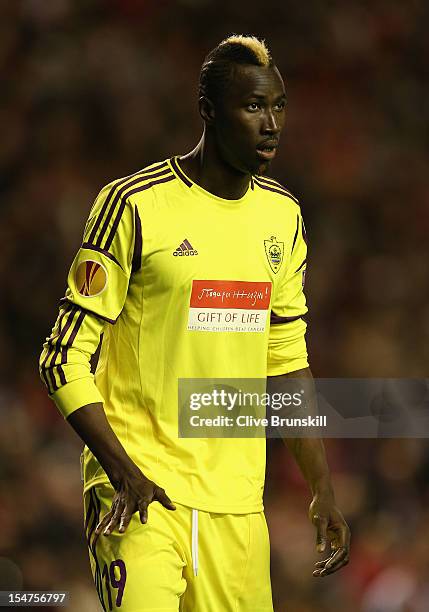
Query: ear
[{"x": 207, "y": 110}]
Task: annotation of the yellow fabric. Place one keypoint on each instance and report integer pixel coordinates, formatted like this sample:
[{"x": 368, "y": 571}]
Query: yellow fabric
[
  {"x": 77, "y": 393},
  {"x": 152, "y": 564},
  {"x": 147, "y": 345},
  {"x": 286, "y": 350}
]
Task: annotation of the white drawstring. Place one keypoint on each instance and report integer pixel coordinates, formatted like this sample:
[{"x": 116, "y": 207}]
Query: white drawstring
[{"x": 195, "y": 541}]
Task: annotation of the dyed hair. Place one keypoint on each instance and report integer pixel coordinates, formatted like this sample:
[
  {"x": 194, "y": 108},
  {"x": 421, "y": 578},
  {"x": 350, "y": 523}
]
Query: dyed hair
[{"x": 217, "y": 68}]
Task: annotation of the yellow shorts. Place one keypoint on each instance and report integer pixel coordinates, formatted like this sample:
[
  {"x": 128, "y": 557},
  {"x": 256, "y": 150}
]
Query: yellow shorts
[{"x": 183, "y": 560}]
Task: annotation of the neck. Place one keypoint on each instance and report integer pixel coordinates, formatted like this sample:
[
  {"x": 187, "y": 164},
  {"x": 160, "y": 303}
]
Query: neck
[{"x": 205, "y": 166}]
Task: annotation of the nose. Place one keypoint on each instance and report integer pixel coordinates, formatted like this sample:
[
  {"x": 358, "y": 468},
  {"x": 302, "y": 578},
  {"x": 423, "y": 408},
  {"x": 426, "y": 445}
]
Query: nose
[{"x": 271, "y": 124}]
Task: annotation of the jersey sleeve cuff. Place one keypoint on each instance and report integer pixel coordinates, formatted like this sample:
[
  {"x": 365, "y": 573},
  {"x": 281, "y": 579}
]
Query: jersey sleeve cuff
[
  {"x": 286, "y": 368},
  {"x": 76, "y": 394}
]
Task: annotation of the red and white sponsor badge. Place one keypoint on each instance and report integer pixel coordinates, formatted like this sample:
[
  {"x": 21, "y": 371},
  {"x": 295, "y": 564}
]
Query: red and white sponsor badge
[{"x": 229, "y": 306}]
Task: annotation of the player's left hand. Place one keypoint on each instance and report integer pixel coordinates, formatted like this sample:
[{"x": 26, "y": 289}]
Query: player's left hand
[{"x": 331, "y": 529}]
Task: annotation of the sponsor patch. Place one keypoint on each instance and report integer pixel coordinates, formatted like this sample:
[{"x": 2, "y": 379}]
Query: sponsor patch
[
  {"x": 90, "y": 278},
  {"x": 274, "y": 251},
  {"x": 229, "y": 306}
]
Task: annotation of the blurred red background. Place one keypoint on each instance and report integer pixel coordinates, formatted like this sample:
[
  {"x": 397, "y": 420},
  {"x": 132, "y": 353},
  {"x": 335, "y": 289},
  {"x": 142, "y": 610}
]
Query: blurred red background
[{"x": 94, "y": 90}]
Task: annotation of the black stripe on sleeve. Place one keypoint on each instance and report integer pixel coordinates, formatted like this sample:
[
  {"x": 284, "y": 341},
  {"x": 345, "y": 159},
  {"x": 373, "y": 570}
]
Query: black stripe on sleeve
[
  {"x": 65, "y": 349},
  {"x": 65, "y": 300},
  {"x": 111, "y": 193},
  {"x": 165, "y": 179},
  {"x": 115, "y": 225},
  {"x": 50, "y": 348},
  {"x": 56, "y": 348},
  {"x": 138, "y": 243},
  {"x": 54, "y": 344},
  {"x": 140, "y": 188},
  {"x": 62, "y": 374},
  {"x": 303, "y": 264},
  {"x": 296, "y": 233},
  {"x": 304, "y": 233},
  {"x": 118, "y": 197},
  {"x": 93, "y": 247},
  {"x": 278, "y": 320}
]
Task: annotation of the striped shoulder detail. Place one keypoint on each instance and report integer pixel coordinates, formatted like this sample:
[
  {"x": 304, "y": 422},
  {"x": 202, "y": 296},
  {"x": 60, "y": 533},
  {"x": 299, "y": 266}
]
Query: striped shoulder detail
[
  {"x": 109, "y": 217},
  {"x": 272, "y": 185},
  {"x": 56, "y": 348},
  {"x": 65, "y": 300}
]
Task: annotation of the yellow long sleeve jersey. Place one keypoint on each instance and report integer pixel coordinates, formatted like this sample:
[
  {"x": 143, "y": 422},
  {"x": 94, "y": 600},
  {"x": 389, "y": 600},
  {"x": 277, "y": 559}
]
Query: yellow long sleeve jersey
[{"x": 182, "y": 284}]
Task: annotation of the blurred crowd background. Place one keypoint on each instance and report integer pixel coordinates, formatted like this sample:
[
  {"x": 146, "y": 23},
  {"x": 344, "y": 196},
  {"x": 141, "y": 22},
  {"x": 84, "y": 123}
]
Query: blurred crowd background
[{"x": 96, "y": 89}]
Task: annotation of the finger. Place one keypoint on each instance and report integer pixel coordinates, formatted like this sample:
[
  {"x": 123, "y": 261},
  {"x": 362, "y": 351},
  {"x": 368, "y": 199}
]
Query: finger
[
  {"x": 103, "y": 522},
  {"x": 343, "y": 538},
  {"x": 162, "y": 497},
  {"x": 101, "y": 525},
  {"x": 114, "y": 521},
  {"x": 321, "y": 524},
  {"x": 125, "y": 519},
  {"x": 337, "y": 567},
  {"x": 337, "y": 560},
  {"x": 320, "y": 565},
  {"x": 143, "y": 511}
]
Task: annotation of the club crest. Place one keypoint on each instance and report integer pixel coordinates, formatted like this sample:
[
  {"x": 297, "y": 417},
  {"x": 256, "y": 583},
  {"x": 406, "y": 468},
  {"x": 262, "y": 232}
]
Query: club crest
[{"x": 274, "y": 251}]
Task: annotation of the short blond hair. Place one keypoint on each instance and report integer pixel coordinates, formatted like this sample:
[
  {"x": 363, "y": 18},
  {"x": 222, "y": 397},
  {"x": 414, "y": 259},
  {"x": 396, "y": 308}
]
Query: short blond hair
[
  {"x": 235, "y": 49},
  {"x": 255, "y": 45}
]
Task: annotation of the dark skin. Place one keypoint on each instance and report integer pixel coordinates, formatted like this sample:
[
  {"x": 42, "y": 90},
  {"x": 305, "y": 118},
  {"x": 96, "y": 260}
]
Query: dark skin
[
  {"x": 332, "y": 531},
  {"x": 250, "y": 113},
  {"x": 133, "y": 491},
  {"x": 241, "y": 134}
]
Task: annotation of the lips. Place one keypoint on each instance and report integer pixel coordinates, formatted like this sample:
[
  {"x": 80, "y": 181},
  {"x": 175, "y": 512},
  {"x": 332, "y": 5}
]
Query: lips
[
  {"x": 266, "y": 153},
  {"x": 267, "y": 150}
]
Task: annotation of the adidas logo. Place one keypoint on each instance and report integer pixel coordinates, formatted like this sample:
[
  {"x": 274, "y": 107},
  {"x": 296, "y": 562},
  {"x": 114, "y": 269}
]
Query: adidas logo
[{"x": 185, "y": 249}]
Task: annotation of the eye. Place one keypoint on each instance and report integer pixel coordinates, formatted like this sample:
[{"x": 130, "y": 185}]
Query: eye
[
  {"x": 280, "y": 105},
  {"x": 253, "y": 107}
]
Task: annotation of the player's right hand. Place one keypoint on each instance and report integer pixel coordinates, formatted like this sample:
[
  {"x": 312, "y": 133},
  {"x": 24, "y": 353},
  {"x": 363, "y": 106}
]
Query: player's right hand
[{"x": 132, "y": 493}]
